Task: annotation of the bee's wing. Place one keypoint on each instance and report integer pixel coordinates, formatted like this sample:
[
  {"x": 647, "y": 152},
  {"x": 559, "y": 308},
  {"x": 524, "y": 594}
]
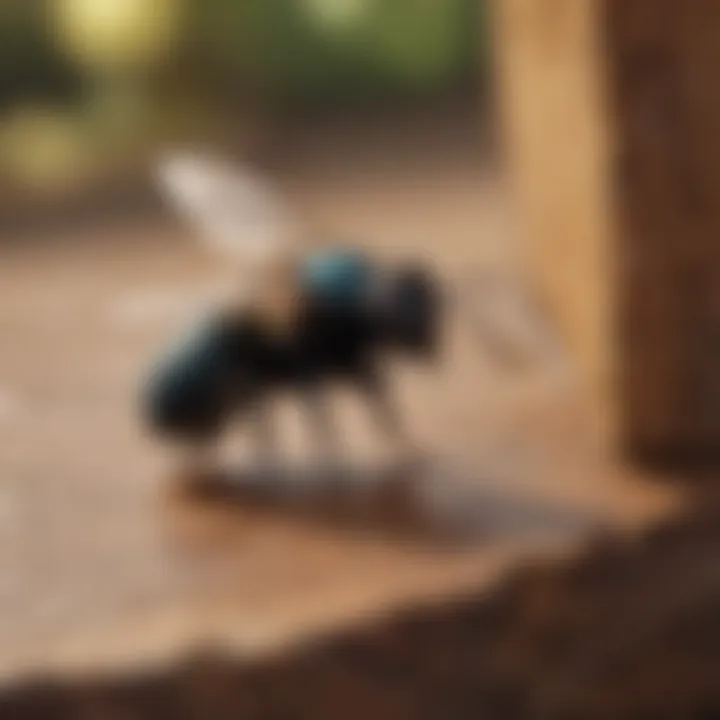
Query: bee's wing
[
  {"x": 512, "y": 324},
  {"x": 233, "y": 211}
]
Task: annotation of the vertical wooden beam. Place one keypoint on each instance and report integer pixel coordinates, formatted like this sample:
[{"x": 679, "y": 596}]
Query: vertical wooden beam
[
  {"x": 612, "y": 119},
  {"x": 549, "y": 65}
]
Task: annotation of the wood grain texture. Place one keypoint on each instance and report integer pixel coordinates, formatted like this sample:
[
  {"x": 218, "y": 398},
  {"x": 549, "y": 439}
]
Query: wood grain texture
[{"x": 663, "y": 59}]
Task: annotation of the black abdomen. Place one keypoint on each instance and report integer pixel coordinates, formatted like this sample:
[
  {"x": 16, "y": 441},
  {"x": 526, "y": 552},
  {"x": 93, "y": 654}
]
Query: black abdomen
[
  {"x": 412, "y": 312},
  {"x": 189, "y": 394}
]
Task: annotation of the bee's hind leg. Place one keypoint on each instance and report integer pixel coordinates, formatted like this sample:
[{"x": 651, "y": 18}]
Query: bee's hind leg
[{"x": 399, "y": 445}]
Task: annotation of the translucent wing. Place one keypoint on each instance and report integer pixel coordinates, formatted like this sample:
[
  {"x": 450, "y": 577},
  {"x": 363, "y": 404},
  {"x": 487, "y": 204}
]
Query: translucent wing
[
  {"x": 512, "y": 325},
  {"x": 232, "y": 210}
]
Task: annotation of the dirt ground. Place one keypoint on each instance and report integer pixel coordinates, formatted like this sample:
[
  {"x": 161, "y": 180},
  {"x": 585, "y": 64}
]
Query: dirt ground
[{"x": 103, "y": 565}]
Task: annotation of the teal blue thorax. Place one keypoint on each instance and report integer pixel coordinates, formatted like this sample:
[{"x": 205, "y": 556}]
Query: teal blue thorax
[{"x": 336, "y": 275}]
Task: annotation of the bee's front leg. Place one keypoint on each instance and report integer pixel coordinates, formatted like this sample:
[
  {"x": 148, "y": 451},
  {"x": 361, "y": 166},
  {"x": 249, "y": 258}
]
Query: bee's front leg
[{"x": 400, "y": 446}]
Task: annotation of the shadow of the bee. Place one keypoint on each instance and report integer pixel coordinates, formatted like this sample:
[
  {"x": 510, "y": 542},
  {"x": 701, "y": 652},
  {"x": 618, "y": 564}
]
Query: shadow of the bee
[
  {"x": 384, "y": 499},
  {"x": 435, "y": 501}
]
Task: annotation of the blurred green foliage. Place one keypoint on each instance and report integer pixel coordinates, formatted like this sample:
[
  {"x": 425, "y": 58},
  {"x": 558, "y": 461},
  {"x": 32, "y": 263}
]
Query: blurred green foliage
[
  {"x": 87, "y": 82},
  {"x": 31, "y": 68},
  {"x": 285, "y": 48},
  {"x": 313, "y": 49}
]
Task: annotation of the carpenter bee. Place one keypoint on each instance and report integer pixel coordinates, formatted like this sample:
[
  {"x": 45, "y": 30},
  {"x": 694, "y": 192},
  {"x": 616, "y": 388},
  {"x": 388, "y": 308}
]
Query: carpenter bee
[{"x": 298, "y": 316}]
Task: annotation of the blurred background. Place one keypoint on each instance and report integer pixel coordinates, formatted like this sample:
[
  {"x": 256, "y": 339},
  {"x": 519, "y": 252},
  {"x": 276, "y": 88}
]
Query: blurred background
[
  {"x": 379, "y": 120},
  {"x": 90, "y": 89}
]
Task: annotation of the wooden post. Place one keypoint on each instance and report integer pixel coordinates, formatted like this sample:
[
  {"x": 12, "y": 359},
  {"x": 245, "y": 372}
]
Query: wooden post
[
  {"x": 551, "y": 96},
  {"x": 612, "y": 118}
]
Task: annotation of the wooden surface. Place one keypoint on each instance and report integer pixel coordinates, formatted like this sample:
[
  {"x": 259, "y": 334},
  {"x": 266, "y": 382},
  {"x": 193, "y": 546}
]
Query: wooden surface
[
  {"x": 627, "y": 630},
  {"x": 103, "y": 568}
]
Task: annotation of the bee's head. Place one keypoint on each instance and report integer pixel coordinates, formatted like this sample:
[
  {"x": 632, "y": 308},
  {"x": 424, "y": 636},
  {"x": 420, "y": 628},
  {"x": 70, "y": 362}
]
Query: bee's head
[{"x": 414, "y": 310}]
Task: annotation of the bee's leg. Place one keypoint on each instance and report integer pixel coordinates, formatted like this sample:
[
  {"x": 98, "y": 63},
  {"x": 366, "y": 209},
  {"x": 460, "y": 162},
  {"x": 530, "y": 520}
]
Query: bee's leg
[
  {"x": 386, "y": 417},
  {"x": 324, "y": 431},
  {"x": 266, "y": 451},
  {"x": 383, "y": 408}
]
